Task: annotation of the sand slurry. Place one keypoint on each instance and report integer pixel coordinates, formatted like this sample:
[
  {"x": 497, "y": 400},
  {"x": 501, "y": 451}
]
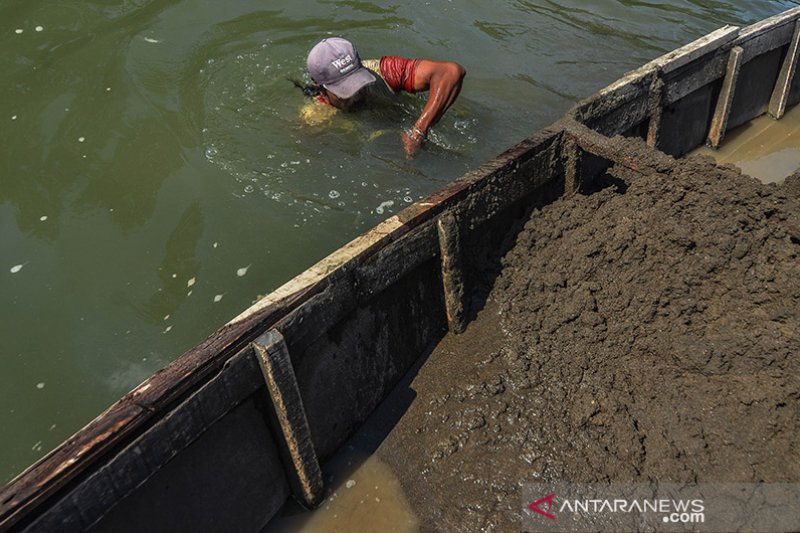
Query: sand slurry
[{"x": 646, "y": 331}]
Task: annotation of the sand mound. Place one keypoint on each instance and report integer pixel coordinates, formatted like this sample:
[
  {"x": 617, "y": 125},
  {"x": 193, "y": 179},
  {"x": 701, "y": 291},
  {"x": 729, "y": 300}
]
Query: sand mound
[{"x": 650, "y": 333}]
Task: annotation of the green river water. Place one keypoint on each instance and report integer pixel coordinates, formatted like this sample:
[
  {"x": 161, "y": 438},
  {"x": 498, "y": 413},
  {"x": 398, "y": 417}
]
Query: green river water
[{"x": 155, "y": 177}]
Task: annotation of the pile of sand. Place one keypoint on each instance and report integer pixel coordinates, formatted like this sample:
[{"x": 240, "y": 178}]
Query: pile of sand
[{"x": 651, "y": 332}]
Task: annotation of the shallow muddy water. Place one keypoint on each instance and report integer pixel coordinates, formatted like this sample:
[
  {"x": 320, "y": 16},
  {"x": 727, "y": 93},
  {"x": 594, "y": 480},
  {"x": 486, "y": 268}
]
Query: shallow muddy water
[
  {"x": 363, "y": 495},
  {"x": 764, "y": 148},
  {"x": 156, "y": 178}
]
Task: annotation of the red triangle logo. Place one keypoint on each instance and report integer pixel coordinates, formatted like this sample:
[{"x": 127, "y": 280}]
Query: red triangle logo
[{"x": 549, "y": 501}]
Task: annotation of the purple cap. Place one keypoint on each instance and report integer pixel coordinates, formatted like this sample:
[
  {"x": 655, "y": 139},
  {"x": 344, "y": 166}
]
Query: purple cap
[{"x": 334, "y": 64}]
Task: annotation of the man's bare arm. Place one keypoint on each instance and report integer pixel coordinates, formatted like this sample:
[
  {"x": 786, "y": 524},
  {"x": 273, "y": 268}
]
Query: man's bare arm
[{"x": 442, "y": 80}]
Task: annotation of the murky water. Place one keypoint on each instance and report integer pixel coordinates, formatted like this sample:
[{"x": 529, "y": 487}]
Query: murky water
[
  {"x": 764, "y": 148},
  {"x": 156, "y": 177},
  {"x": 363, "y": 494}
]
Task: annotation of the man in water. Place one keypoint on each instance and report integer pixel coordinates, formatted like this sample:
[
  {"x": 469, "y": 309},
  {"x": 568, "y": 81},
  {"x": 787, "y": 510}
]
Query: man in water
[{"x": 344, "y": 81}]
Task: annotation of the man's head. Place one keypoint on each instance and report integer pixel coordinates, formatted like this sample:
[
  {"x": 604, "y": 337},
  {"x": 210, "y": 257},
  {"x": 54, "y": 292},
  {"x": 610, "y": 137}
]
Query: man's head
[{"x": 334, "y": 64}]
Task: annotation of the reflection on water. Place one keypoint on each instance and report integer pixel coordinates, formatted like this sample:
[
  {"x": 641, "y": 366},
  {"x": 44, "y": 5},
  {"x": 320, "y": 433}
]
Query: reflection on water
[
  {"x": 764, "y": 148},
  {"x": 146, "y": 145}
]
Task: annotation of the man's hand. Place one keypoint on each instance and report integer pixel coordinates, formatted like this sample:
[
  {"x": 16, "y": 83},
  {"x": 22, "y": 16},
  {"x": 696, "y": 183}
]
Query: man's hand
[{"x": 412, "y": 141}]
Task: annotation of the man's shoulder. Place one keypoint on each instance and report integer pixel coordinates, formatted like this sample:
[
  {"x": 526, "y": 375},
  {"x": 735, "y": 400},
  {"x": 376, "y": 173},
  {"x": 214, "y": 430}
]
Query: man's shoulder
[
  {"x": 381, "y": 87},
  {"x": 372, "y": 64}
]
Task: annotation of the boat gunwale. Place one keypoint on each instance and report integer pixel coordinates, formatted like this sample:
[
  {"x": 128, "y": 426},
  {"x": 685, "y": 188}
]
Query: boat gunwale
[{"x": 138, "y": 410}]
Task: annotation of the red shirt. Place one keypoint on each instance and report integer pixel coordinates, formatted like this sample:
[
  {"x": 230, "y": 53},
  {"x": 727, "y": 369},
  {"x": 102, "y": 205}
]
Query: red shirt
[{"x": 399, "y": 72}]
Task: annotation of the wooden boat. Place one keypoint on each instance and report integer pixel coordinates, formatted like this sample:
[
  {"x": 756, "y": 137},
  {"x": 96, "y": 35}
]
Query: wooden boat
[{"x": 220, "y": 438}]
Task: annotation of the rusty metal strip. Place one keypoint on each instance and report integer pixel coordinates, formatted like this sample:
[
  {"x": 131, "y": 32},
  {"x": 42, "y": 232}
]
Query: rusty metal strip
[
  {"x": 780, "y": 95},
  {"x": 452, "y": 272},
  {"x": 276, "y": 366},
  {"x": 719, "y": 124}
]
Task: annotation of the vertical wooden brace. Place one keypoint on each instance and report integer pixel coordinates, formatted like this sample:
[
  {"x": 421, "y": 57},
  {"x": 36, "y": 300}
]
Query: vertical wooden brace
[
  {"x": 780, "y": 94},
  {"x": 656, "y": 106},
  {"x": 452, "y": 272},
  {"x": 719, "y": 123},
  {"x": 572, "y": 169},
  {"x": 305, "y": 475}
]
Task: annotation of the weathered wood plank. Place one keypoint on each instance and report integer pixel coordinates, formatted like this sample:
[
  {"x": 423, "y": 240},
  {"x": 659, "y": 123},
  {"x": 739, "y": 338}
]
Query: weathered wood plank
[
  {"x": 615, "y": 150},
  {"x": 780, "y": 95},
  {"x": 305, "y": 474},
  {"x": 767, "y": 34},
  {"x": 623, "y": 98},
  {"x": 708, "y": 44},
  {"x": 695, "y": 77},
  {"x": 719, "y": 122},
  {"x": 756, "y": 45},
  {"x": 755, "y": 41},
  {"x": 394, "y": 261},
  {"x": 611, "y": 111},
  {"x": 452, "y": 272},
  {"x": 656, "y": 111},
  {"x": 304, "y": 325},
  {"x": 572, "y": 168},
  {"x": 541, "y": 165}
]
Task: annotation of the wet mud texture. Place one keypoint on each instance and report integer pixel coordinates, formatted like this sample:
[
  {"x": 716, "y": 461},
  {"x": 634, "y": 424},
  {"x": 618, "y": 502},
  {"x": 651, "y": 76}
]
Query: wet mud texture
[
  {"x": 647, "y": 331},
  {"x": 792, "y": 185}
]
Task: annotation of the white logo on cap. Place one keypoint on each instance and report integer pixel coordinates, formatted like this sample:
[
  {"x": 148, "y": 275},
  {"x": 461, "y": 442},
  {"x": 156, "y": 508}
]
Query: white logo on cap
[{"x": 344, "y": 65}]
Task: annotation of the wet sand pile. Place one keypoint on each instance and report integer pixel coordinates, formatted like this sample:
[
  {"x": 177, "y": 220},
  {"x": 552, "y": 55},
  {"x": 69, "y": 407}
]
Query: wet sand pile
[
  {"x": 792, "y": 185},
  {"x": 647, "y": 331}
]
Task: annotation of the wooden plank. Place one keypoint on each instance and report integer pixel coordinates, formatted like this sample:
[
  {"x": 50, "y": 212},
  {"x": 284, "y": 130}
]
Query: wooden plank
[
  {"x": 708, "y": 44},
  {"x": 619, "y": 98},
  {"x": 780, "y": 95},
  {"x": 314, "y": 318},
  {"x": 395, "y": 260},
  {"x": 695, "y": 77},
  {"x": 622, "y": 118},
  {"x": 632, "y": 85},
  {"x": 305, "y": 475},
  {"x": 452, "y": 272},
  {"x": 537, "y": 167},
  {"x": 572, "y": 169},
  {"x": 656, "y": 111},
  {"x": 616, "y": 150},
  {"x": 768, "y": 25},
  {"x": 719, "y": 122},
  {"x": 763, "y": 43}
]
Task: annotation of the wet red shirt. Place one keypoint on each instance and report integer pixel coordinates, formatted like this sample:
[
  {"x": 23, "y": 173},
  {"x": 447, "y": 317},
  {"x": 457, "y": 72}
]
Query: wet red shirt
[{"x": 399, "y": 72}]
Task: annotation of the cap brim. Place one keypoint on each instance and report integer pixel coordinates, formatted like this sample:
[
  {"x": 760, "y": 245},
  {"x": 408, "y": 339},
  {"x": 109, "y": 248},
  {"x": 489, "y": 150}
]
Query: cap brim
[{"x": 350, "y": 85}]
